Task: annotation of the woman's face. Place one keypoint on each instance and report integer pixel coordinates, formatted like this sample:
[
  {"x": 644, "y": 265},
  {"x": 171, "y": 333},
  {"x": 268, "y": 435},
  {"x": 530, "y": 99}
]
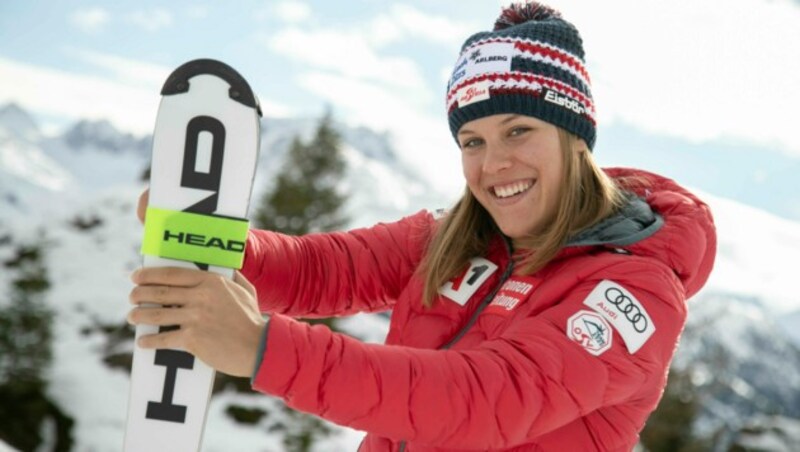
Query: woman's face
[{"x": 513, "y": 166}]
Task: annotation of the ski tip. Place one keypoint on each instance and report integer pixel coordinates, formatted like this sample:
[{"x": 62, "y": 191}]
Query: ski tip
[{"x": 240, "y": 91}]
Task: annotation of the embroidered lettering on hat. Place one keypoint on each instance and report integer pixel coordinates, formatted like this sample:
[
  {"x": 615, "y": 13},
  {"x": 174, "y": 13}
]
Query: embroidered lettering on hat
[
  {"x": 557, "y": 98},
  {"x": 464, "y": 286},
  {"x": 623, "y": 311},
  {"x": 482, "y": 59},
  {"x": 475, "y": 92},
  {"x": 489, "y": 57}
]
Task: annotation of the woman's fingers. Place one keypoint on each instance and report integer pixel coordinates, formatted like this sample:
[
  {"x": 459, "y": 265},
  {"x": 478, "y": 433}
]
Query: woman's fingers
[
  {"x": 169, "y": 339},
  {"x": 163, "y": 295},
  {"x": 218, "y": 318},
  {"x": 158, "y": 316},
  {"x": 170, "y": 276}
]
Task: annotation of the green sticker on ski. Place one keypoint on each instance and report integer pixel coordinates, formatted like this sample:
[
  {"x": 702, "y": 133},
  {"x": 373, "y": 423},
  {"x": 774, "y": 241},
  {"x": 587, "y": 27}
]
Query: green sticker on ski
[{"x": 193, "y": 237}]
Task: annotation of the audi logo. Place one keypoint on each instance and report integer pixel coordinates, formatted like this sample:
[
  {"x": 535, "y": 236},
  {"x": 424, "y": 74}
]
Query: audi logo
[{"x": 626, "y": 306}]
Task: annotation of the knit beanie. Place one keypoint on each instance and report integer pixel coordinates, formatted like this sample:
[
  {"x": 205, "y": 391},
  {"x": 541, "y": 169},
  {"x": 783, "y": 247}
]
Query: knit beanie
[{"x": 530, "y": 64}]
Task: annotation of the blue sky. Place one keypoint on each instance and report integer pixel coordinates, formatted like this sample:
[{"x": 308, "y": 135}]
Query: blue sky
[{"x": 705, "y": 92}]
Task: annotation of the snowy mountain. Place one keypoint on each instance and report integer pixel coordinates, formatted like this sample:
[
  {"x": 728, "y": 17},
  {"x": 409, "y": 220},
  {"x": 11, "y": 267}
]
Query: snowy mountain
[
  {"x": 17, "y": 124},
  {"x": 741, "y": 345},
  {"x": 27, "y": 174},
  {"x": 103, "y": 136}
]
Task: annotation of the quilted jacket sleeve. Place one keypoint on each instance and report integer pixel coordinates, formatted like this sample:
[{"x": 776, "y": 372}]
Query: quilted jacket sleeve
[
  {"x": 340, "y": 273},
  {"x": 504, "y": 392}
]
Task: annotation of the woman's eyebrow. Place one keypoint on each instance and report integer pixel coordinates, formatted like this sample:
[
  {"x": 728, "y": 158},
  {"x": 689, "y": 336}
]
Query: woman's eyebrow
[{"x": 509, "y": 119}]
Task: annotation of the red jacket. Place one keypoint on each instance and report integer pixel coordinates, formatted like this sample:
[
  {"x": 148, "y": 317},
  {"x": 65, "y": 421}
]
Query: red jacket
[{"x": 574, "y": 357}]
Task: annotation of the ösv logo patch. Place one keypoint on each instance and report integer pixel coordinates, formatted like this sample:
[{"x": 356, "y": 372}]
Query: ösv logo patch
[{"x": 591, "y": 331}]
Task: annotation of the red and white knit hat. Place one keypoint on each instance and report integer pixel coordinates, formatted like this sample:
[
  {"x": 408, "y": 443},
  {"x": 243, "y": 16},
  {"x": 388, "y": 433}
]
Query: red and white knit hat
[{"x": 532, "y": 64}]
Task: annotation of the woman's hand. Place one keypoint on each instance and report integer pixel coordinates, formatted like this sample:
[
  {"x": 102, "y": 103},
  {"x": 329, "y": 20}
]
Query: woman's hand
[{"x": 219, "y": 319}]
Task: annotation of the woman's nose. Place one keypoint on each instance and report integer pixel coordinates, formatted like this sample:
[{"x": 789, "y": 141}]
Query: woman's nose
[{"x": 497, "y": 158}]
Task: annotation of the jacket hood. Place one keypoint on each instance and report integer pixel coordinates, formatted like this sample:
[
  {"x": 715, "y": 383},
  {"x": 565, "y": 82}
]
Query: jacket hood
[{"x": 661, "y": 220}]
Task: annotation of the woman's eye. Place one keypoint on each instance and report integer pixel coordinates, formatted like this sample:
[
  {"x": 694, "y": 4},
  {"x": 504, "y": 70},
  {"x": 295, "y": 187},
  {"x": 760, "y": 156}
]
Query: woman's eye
[
  {"x": 516, "y": 131},
  {"x": 471, "y": 143}
]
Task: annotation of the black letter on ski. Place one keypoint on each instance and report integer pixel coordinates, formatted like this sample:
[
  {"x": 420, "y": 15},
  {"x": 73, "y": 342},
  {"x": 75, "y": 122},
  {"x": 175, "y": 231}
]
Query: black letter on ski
[
  {"x": 191, "y": 178},
  {"x": 174, "y": 359},
  {"x": 165, "y": 410}
]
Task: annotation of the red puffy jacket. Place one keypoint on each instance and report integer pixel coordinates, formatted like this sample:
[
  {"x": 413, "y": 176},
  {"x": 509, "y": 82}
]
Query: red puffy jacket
[{"x": 574, "y": 357}]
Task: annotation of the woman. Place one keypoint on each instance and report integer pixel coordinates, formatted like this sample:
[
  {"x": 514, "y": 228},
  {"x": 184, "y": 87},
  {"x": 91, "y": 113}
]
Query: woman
[{"x": 540, "y": 313}]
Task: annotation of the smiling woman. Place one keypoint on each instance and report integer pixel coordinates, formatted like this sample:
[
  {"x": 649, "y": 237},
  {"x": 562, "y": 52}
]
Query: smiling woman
[{"x": 540, "y": 313}]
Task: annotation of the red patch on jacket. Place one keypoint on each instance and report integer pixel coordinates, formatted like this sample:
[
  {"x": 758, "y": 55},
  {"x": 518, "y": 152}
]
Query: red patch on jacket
[{"x": 513, "y": 293}]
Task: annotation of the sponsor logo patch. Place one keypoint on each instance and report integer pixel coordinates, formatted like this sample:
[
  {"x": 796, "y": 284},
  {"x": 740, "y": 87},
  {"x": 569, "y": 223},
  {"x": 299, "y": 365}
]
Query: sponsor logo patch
[
  {"x": 567, "y": 102},
  {"x": 464, "y": 286},
  {"x": 591, "y": 331},
  {"x": 473, "y": 93},
  {"x": 513, "y": 292},
  {"x": 482, "y": 59},
  {"x": 624, "y": 312}
]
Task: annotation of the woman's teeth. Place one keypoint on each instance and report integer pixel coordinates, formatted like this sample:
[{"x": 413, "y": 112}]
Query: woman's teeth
[{"x": 505, "y": 191}]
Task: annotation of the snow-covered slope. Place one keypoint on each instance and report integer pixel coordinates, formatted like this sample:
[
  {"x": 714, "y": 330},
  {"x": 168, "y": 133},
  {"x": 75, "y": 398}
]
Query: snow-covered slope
[{"x": 27, "y": 174}]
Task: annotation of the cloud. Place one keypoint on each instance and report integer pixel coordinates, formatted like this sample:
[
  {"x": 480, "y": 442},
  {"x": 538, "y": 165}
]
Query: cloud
[
  {"x": 349, "y": 53},
  {"x": 131, "y": 104},
  {"x": 151, "y": 20},
  {"x": 126, "y": 70},
  {"x": 90, "y": 20},
  {"x": 416, "y": 24},
  {"x": 404, "y": 22},
  {"x": 69, "y": 95}
]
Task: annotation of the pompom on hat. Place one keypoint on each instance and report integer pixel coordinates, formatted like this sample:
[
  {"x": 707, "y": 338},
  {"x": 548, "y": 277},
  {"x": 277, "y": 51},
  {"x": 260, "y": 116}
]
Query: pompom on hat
[{"x": 532, "y": 64}]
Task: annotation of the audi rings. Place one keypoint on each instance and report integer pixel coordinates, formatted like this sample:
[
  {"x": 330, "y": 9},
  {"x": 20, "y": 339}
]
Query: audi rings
[{"x": 626, "y": 306}]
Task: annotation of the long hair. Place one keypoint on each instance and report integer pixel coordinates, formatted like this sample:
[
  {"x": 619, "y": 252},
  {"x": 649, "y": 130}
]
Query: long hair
[{"x": 586, "y": 196}]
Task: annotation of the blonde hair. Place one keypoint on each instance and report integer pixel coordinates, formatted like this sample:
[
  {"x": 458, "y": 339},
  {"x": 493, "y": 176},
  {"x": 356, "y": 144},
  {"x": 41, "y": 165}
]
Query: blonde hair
[{"x": 587, "y": 196}]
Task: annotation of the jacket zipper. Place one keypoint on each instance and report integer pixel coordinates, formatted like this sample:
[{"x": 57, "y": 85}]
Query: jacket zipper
[{"x": 485, "y": 302}]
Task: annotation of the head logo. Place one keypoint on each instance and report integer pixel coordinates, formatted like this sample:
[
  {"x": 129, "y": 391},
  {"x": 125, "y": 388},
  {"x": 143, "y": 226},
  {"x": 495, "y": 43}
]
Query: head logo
[{"x": 591, "y": 331}]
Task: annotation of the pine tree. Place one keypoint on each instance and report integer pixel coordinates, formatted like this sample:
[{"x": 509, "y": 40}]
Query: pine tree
[
  {"x": 305, "y": 197},
  {"x": 25, "y": 356}
]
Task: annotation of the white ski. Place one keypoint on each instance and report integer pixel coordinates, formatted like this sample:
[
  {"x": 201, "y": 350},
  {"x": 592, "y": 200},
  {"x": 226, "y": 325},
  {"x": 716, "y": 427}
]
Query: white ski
[{"x": 205, "y": 148}]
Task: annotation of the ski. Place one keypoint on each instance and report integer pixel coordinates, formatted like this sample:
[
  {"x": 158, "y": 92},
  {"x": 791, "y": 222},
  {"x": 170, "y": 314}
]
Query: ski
[{"x": 205, "y": 149}]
